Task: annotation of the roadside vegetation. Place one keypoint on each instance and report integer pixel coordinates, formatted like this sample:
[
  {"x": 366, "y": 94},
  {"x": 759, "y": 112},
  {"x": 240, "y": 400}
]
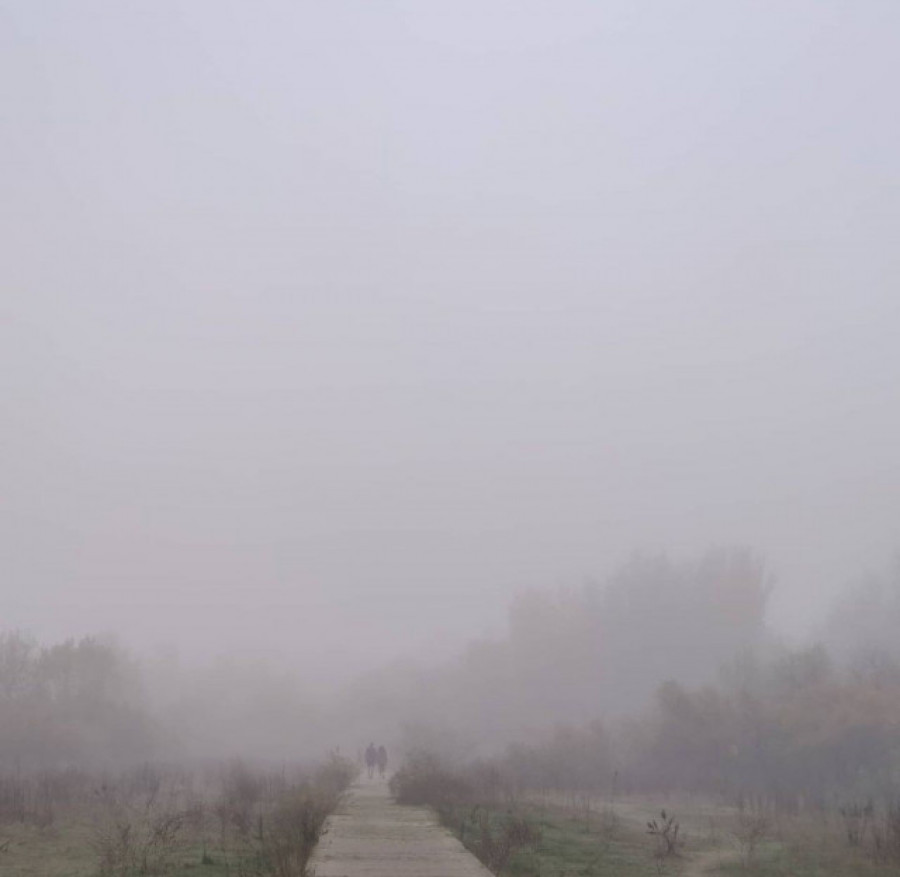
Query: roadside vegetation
[
  {"x": 515, "y": 833},
  {"x": 231, "y": 818},
  {"x": 754, "y": 757},
  {"x": 86, "y": 790},
  {"x": 520, "y": 830},
  {"x": 781, "y": 761}
]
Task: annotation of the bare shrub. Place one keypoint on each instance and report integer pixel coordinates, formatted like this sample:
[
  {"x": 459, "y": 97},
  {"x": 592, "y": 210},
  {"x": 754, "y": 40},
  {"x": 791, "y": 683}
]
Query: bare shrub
[
  {"x": 286, "y": 832},
  {"x": 422, "y": 779},
  {"x": 468, "y": 802},
  {"x": 138, "y": 844},
  {"x": 886, "y": 835},
  {"x": 749, "y": 831},
  {"x": 242, "y": 790},
  {"x": 336, "y": 774},
  {"x": 489, "y": 783},
  {"x": 146, "y": 820},
  {"x": 494, "y": 840},
  {"x": 287, "y": 836},
  {"x": 665, "y": 830},
  {"x": 12, "y": 798},
  {"x": 151, "y": 819},
  {"x": 857, "y": 820},
  {"x": 38, "y": 797}
]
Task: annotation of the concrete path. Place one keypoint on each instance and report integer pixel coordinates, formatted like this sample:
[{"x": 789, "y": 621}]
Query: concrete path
[{"x": 371, "y": 836}]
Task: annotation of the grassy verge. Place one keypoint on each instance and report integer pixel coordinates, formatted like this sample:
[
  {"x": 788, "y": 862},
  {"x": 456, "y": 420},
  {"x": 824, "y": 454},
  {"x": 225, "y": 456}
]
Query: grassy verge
[
  {"x": 522, "y": 838},
  {"x": 219, "y": 821},
  {"x": 556, "y": 843},
  {"x": 569, "y": 834}
]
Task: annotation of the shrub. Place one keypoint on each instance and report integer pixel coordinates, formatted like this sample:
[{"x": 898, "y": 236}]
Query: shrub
[
  {"x": 138, "y": 844},
  {"x": 422, "y": 779},
  {"x": 886, "y": 835},
  {"x": 665, "y": 830},
  {"x": 288, "y": 835},
  {"x": 495, "y": 839}
]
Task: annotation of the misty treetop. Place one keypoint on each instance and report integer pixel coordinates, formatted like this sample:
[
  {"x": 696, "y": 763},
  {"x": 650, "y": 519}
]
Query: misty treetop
[
  {"x": 679, "y": 648},
  {"x": 601, "y": 650},
  {"x": 71, "y": 703}
]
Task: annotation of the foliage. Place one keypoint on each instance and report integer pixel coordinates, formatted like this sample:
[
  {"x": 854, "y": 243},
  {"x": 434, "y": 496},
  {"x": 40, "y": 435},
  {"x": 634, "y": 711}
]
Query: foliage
[
  {"x": 234, "y": 818},
  {"x": 423, "y": 779},
  {"x": 287, "y": 834},
  {"x": 602, "y": 649},
  {"x": 803, "y": 729},
  {"x": 74, "y": 702},
  {"x": 467, "y": 800},
  {"x": 495, "y": 837}
]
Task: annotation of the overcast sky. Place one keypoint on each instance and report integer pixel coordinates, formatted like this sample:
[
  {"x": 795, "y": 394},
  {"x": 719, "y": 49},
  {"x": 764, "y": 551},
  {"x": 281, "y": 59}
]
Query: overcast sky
[{"x": 325, "y": 327}]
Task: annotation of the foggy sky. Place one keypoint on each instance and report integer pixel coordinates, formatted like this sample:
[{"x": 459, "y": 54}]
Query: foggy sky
[{"x": 325, "y": 327}]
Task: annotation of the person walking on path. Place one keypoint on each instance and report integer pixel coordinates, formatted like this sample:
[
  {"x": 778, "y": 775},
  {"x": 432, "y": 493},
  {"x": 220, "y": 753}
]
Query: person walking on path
[
  {"x": 371, "y": 759},
  {"x": 382, "y": 761}
]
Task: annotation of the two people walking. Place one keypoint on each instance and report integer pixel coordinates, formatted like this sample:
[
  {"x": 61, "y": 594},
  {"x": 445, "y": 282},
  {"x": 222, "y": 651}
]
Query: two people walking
[{"x": 376, "y": 758}]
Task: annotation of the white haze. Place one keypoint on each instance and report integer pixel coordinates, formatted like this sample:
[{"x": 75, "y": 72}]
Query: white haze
[{"x": 327, "y": 327}]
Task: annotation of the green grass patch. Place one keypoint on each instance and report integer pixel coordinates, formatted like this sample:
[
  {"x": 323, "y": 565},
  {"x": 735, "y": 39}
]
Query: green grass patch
[
  {"x": 225, "y": 820},
  {"x": 560, "y": 845},
  {"x": 797, "y": 860},
  {"x": 67, "y": 850}
]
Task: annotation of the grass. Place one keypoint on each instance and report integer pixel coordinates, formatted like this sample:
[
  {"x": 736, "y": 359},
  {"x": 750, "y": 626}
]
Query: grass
[
  {"x": 222, "y": 821},
  {"x": 806, "y": 848},
  {"x": 569, "y": 846},
  {"x": 571, "y": 834},
  {"x": 578, "y": 840},
  {"x": 58, "y": 851},
  {"x": 68, "y": 850},
  {"x": 563, "y": 844}
]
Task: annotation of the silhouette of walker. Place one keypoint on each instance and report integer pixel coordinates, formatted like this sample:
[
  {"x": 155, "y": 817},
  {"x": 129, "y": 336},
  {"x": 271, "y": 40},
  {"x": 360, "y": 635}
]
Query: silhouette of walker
[
  {"x": 382, "y": 761},
  {"x": 371, "y": 759}
]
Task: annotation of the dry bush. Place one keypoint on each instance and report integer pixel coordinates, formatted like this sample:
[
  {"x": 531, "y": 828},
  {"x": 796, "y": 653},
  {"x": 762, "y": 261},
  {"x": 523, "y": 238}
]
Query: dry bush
[
  {"x": 286, "y": 836},
  {"x": 152, "y": 818},
  {"x": 422, "y": 779},
  {"x": 141, "y": 820},
  {"x": 665, "y": 830},
  {"x": 288, "y": 829},
  {"x": 138, "y": 843},
  {"x": 490, "y": 783},
  {"x": 336, "y": 774},
  {"x": 468, "y": 801},
  {"x": 38, "y": 797},
  {"x": 857, "y": 821},
  {"x": 238, "y": 804},
  {"x": 493, "y": 840},
  {"x": 13, "y": 797},
  {"x": 750, "y": 829},
  {"x": 886, "y": 835}
]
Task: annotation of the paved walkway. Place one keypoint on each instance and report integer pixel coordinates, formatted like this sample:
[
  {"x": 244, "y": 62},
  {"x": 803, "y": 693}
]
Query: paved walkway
[{"x": 371, "y": 836}]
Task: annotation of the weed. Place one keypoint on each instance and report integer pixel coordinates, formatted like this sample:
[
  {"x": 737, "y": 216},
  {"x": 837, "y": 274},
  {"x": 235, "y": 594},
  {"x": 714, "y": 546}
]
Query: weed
[{"x": 665, "y": 830}]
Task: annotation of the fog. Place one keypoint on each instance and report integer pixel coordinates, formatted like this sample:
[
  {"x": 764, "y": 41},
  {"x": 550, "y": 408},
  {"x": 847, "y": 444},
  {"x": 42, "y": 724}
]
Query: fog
[{"x": 329, "y": 333}]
